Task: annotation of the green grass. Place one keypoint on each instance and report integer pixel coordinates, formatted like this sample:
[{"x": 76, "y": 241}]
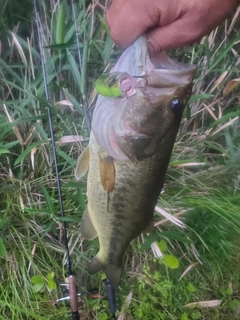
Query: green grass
[{"x": 204, "y": 196}]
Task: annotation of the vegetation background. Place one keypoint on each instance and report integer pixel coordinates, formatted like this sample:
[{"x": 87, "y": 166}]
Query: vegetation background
[{"x": 198, "y": 273}]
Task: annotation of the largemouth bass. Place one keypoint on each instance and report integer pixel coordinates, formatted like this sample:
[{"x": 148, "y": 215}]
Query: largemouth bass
[{"x": 134, "y": 126}]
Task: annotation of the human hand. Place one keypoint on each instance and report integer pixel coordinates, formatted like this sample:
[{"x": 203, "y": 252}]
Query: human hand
[{"x": 169, "y": 23}]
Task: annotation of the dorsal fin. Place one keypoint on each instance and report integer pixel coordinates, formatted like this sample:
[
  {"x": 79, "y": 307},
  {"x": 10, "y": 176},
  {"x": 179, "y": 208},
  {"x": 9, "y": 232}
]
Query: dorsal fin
[{"x": 82, "y": 164}]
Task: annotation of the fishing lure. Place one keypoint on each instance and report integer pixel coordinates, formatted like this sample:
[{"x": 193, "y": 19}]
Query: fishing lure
[{"x": 119, "y": 84}]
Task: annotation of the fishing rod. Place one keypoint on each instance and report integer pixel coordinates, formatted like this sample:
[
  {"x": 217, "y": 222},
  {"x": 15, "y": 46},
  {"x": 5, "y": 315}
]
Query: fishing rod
[
  {"x": 71, "y": 282},
  {"x": 73, "y": 295},
  {"x": 109, "y": 288}
]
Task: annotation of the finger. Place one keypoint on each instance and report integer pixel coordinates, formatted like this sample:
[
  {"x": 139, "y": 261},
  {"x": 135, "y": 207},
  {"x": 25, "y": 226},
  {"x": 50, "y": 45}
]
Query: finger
[
  {"x": 172, "y": 36},
  {"x": 127, "y": 20}
]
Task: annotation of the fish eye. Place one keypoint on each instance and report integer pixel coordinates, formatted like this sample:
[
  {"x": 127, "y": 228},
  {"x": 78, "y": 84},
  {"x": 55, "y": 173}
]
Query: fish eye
[{"x": 176, "y": 106}]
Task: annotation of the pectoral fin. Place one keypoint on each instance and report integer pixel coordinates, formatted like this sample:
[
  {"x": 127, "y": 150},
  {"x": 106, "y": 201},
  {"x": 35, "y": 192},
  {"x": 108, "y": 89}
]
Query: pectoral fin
[
  {"x": 82, "y": 164},
  {"x": 87, "y": 229},
  {"x": 107, "y": 173}
]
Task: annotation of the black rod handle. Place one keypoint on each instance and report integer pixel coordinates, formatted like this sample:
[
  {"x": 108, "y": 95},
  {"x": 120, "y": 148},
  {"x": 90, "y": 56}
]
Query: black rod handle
[{"x": 111, "y": 297}]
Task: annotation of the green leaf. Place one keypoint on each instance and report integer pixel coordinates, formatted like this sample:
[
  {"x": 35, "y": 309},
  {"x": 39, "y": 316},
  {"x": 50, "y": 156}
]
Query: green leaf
[
  {"x": 48, "y": 199},
  {"x": 50, "y": 275},
  {"x": 74, "y": 69},
  {"x": 104, "y": 303},
  {"x": 234, "y": 304},
  {"x": 26, "y": 45},
  {"x": 191, "y": 287},
  {"x": 148, "y": 241},
  {"x": 171, "y": 261},
  {"x": 10, "y": 144},
  {"x": 179, "y": 162},
  {"x": 38, "y": 287},
  {"x": 196, "y": 315},
  {"x": 68, "y": 160},
  {"x": 84, "y": 65},
  {"x": 175, "y": 236},
  {"x": 37, "y": 279},
  {"x": 75, "y": 103},
  {"x": 103, "y": 23},
  {"x": 27, "y": 151},
  {"x": 108, "y": 49},
  {"x": 75, "y": 184},
  {"x": 61, "y": 46},
  {"x": 71, "y": 32},
  {"x": 102, "y": 316},
  {"x": 60, "y": 27},
  {"x": 229, "y": 291},
  {"x": 223, "y": 53},
  {"x": 184, "y": 316},
  {"x": 9, "y": 69},
  {"x": 162, "y": 245},
  {"x": 3, "y": 222},
  {"x": 3, "y": 250},
  {"x": 51, "y": 284},
  {"x": 226, "y": 117},
  {"x": 197, "y": 97},
  {"x": 2, "y": 151}
]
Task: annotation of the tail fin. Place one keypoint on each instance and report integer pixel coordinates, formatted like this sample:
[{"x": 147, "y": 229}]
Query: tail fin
[{"x": 112, "y": 272}]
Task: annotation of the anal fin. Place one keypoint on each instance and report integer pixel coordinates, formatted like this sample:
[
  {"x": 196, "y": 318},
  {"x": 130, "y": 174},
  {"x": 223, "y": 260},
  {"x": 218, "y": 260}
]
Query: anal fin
[
  {"x": 87, "y": 229},
  {"x": 96, "y": 265}
]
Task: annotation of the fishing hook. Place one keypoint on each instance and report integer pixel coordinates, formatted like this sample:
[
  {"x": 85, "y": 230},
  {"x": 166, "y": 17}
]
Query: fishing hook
[{"x": 144, "y": 77}]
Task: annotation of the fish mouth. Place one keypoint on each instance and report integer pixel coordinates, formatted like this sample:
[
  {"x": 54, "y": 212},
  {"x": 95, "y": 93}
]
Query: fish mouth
[
  {"x": 160, "y": 70},
  {"x": 169, "y": 71},
  {"x": 166, "y": 72}
]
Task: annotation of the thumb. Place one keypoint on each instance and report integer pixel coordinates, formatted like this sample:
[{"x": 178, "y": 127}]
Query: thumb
[{"x": 127, "y": 20}]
